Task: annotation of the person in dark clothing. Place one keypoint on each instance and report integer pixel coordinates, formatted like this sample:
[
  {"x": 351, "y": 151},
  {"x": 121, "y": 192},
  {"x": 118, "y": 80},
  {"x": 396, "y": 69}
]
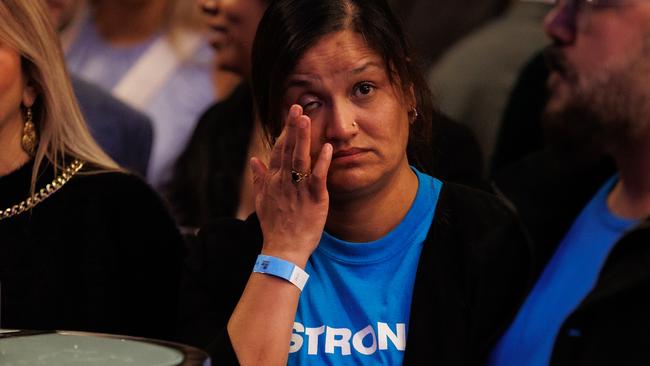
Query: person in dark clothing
[
  {"x": 83, "y": 244},
  {"x": 101, "y": 254},
  {"x": 591, "y": 222},
  {"x": 365, "y": 259}
]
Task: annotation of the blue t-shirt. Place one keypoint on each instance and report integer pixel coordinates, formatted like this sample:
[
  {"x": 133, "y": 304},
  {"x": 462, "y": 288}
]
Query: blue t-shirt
[
  {"x": 356, "y": 306},
  {"x": 567, "y": 279}
]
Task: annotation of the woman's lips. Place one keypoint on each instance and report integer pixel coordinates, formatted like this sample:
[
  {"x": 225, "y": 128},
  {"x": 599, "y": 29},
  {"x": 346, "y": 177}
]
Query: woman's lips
[{"x": 348, "y": 155}]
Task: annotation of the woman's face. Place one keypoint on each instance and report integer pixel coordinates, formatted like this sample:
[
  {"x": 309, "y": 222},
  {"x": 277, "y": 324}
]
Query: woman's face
[
  {"x": 344, "y": 88},
  {"x": 232, "y": 25},
  {"x": 13, "y": 90}
]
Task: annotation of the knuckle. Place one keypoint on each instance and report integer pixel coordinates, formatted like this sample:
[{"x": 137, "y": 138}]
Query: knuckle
[
  {"x": 299, "y": 162},
  {"x": 287, "y": 153}
]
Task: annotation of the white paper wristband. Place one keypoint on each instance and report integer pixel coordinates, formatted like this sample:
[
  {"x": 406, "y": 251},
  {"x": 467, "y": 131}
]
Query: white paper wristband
[{"x": 280, "y": 268}]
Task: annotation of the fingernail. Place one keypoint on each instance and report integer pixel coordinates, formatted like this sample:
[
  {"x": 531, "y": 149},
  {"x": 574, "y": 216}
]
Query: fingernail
[
  {"x": 295, "y": 111},
  {"x": 302, "y": 123}
]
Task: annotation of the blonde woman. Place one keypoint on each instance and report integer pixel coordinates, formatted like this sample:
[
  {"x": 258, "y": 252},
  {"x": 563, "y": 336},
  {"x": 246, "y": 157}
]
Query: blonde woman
[{"x": 83, "y": 245}]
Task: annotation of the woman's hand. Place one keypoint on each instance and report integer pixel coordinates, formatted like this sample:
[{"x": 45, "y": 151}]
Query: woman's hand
[{"x": 292, "y": 211}]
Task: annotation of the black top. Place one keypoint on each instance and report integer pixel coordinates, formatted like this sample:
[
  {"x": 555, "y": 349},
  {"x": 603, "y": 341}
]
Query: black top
[
  {"x": 101, "y": 254},
  {"x": 472, "y": 275},
  {"x": 612, "y": 324},
  {"x": 207, "y": 177}
]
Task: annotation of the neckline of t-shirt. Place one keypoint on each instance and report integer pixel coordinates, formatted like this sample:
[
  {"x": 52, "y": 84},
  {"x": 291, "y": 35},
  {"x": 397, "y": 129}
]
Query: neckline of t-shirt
[
  {"x": 386, "y": 247},
  {"x": 608, "y": 218}
]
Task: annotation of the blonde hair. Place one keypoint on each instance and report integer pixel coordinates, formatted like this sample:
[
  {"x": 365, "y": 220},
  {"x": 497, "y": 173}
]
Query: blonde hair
[{"x": 26, "y": 27}]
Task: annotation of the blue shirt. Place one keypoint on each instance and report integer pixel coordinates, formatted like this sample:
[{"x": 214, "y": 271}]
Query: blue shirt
[
  {"x": 356, "y": 306},
  {"x": 567, "y": 279}
]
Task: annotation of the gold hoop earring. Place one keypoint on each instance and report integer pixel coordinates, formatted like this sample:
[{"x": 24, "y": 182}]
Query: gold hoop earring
[{"x": 29, "y": 139}]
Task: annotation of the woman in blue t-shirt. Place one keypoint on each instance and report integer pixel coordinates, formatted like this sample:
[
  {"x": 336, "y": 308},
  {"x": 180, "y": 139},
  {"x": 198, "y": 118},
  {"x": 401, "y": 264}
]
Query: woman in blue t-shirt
[{"x": 364, "y": 260}]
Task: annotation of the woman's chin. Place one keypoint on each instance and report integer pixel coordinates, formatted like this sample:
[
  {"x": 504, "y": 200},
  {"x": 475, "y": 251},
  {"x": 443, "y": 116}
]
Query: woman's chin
[{"x": 347, "y": 181}]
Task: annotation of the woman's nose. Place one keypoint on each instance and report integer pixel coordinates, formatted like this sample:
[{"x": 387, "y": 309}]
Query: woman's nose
[{"x": 342, "y": 123}]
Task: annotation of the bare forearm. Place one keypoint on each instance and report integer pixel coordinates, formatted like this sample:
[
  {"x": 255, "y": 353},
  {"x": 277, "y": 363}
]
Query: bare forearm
[{"x": 260, "y": 327}]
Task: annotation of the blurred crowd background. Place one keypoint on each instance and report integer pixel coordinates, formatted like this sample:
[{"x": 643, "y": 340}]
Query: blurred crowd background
[{"x": 155, "y": 58}]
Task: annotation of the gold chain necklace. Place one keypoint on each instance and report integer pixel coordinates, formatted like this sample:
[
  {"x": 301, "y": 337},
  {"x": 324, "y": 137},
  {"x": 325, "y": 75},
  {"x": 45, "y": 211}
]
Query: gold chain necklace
[{"x": 44, "y": 192}]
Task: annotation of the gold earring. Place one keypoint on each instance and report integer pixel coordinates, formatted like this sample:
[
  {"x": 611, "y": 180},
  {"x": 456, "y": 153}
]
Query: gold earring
[{"x": 29, "y": 139}]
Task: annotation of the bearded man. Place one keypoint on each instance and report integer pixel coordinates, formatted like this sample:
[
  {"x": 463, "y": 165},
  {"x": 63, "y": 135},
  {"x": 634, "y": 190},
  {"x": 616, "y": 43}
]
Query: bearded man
[{"x": 590, "y": 304}]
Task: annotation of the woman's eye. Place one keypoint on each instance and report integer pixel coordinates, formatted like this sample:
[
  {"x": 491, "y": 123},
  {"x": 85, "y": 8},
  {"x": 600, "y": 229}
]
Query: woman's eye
[
  {"x": 308, "y": 103},
  {"x": 363, "y": 89},
  {"x": 309, "y": 106}
]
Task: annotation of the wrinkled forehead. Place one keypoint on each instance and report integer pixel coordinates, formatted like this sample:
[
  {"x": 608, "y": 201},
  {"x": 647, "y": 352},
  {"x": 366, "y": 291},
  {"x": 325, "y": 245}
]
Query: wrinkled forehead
[{"x": 342, "y": 53}]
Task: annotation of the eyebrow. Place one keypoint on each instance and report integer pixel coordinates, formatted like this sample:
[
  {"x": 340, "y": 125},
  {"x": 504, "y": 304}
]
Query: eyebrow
[
  {"x": 297, "y": 80},
  {"x": 365, "y": 66},
  {"x": 300, "y": 82}
]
